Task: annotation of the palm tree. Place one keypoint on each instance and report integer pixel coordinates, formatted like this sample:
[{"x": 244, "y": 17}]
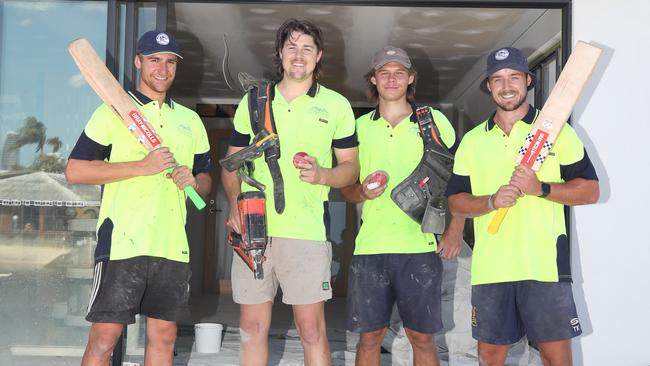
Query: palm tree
[
  {"x": 32, "y": 132},
  {"x": 55, "y": 142}
]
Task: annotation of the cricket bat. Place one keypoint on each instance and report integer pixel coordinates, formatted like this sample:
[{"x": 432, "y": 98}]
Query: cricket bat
[
  {"x": 110, "y": 91},
  {"x": 554, "y": 114}
]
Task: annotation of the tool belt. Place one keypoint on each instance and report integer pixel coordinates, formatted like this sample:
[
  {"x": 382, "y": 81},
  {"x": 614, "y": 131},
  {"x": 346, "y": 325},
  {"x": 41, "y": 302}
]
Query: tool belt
[
  {"x": 261, "y": 115},
  {"x": 422, "y": 194}
]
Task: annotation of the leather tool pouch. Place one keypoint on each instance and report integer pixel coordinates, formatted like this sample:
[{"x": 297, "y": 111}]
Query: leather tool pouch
[{"x": 421, "y": 194}]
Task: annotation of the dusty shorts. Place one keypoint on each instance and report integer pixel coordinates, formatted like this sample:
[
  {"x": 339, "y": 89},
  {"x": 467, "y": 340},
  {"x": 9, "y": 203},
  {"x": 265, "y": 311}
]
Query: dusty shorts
[
  {"x": 300, "y": 267},
  {"x": 377, "y": 281},
  {"x": 503, "y": 312},
  {"x": 154, "y": 287}
]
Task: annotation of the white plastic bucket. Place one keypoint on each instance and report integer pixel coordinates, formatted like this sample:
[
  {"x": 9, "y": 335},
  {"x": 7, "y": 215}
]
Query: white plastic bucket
[{"x": 207, "y": 337}]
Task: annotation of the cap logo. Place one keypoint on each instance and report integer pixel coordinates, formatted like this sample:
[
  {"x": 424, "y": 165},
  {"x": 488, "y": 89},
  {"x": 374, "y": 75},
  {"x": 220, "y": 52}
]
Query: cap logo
[
  {"x": 501, "y": 54},
  {"x": 162, "y": 39},
  {"x": 390, "y": 52}
]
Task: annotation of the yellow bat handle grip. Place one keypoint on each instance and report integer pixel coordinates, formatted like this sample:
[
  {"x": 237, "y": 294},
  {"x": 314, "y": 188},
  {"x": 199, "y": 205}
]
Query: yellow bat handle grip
[{"x": 497, "y": 220}]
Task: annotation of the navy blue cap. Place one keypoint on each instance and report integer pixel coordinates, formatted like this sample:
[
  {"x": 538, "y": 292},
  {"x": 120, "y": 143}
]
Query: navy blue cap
[
  {"x": 154, "y": 41},
  {"x": 506, "y": 58}
]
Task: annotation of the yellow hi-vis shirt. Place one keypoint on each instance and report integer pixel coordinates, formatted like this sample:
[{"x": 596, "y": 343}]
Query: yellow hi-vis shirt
[
  {"x": 146, "y": 215},
  {"x": 311, "y": 123},
  {"x": 531, "y": 243},
  {"x": 386, "y": 228}
]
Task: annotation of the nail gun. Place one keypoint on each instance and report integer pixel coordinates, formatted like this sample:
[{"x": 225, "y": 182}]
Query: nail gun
[{"x": 250, "y": 244}]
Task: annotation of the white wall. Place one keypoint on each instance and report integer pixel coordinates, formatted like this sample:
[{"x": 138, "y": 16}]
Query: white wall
[{"x": 612, "y": 261}]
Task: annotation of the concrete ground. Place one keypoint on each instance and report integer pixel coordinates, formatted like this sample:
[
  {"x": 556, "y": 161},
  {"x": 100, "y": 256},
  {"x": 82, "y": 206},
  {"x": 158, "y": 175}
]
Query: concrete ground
[{"x": 21, "y": 344}]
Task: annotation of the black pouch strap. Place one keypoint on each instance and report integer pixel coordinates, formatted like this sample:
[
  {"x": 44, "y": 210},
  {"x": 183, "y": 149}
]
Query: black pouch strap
[
  {"x": 260, "y": 107},
  {"x": 429, "y": 179}
]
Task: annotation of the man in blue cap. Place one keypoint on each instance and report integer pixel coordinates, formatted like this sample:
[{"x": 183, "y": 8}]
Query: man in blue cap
[
  {"x": 142, "y": 254},
  {"x": 521, "y": 276}
]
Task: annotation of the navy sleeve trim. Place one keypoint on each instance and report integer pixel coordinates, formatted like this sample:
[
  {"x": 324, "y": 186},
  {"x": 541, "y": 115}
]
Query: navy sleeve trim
[
  {"x": 202, "y": 163},
  {"x": 346, "y": 142},
  {"x": 88, "y": 149},
  {"x": 458, "y": 184},
  {"x": 238, "y": 139},
  {"x": 580, "y": 169}
]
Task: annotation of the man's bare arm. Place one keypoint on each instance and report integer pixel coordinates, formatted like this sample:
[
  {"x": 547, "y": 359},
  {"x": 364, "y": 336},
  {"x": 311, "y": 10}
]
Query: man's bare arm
[
  {"x": 466, "y": 205},
  {"x": 101, "y": 172},
  {"x": 203, "y": 184},
  {"x": 577, "y": 191},
  {"x": 232, "y": 186},
  {"x": 346, "y": 171},
  {"x": 452, "y": 238},
  {"x": 352, "y": 193}
]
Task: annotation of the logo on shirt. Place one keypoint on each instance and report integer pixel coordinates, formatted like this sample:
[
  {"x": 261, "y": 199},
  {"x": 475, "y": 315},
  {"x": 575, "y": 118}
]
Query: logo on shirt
[
  {"x": 326, "y": 286},
  {"x": 322, "y": 114},
  {"x": 184, "y": 129}
]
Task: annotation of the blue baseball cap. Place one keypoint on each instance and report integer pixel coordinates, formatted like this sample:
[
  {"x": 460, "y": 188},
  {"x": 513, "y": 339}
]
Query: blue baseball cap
[
  {"x": 154, "y": 41},
  {"x": 506, "y": 58}
]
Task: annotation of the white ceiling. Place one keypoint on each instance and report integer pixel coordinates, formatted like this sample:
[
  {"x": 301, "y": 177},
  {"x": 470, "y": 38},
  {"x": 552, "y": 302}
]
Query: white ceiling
[{"x": 444, "y": 43}]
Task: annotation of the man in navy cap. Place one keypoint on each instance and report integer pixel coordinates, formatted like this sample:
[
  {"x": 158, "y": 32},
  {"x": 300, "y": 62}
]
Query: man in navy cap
[
  {"x": 142, "y": 254},
  {"x": 521, "y": 276}
]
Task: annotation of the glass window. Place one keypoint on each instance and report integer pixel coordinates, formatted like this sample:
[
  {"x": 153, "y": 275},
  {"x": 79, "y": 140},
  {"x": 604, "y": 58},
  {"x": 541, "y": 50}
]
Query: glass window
[
  {"x": 547, "y": 73},
  {"x": 46, "y": 226},
  {"x": 146, "y": 15}
]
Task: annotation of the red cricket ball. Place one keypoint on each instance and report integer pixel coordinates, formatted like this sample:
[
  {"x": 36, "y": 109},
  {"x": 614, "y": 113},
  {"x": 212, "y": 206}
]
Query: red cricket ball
[
  {"x": 377, "y": 179},
  {"x": 299, "y": 159}
]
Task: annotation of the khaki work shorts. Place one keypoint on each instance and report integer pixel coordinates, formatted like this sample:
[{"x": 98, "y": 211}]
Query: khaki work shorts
[{"x": 300, "y": 267}]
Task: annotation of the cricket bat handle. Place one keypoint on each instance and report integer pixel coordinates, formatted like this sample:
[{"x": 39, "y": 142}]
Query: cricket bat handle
[
  {"x": 193, "y": 195},
  {"x": 497, "y": 220}
]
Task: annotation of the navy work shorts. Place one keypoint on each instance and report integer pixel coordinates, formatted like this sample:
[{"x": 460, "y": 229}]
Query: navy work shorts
[
  {"x": 154, "y": 287},
  {"x": 378, "y": 281},
  {"x": 503, "y": 312}
]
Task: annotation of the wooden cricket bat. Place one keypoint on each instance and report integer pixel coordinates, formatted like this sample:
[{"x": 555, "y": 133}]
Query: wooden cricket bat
[
  {"x": 555, "y": 113},
  {"x": 110, "y": 91}
]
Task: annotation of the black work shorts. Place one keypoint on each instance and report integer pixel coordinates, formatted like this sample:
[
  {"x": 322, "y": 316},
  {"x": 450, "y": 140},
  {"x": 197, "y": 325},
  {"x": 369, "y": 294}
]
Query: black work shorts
[
  {"x": 154, "y": 287},
  {"x": 378, "y": 281},
  {"x": 503, "y": 312}
]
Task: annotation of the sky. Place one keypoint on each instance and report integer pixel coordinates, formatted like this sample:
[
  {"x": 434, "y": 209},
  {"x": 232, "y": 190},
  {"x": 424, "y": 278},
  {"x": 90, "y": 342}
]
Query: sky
[{"x": 37, "y": 75}]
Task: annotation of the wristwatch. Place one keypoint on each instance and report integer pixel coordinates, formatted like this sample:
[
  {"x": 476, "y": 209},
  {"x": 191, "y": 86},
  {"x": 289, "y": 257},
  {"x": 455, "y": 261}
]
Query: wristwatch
[{"x": 546, "y": 190}]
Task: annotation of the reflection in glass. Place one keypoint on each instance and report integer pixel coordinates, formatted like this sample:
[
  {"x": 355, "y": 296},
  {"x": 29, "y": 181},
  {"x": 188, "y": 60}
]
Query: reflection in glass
[{"x": 47, "y": 227}]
